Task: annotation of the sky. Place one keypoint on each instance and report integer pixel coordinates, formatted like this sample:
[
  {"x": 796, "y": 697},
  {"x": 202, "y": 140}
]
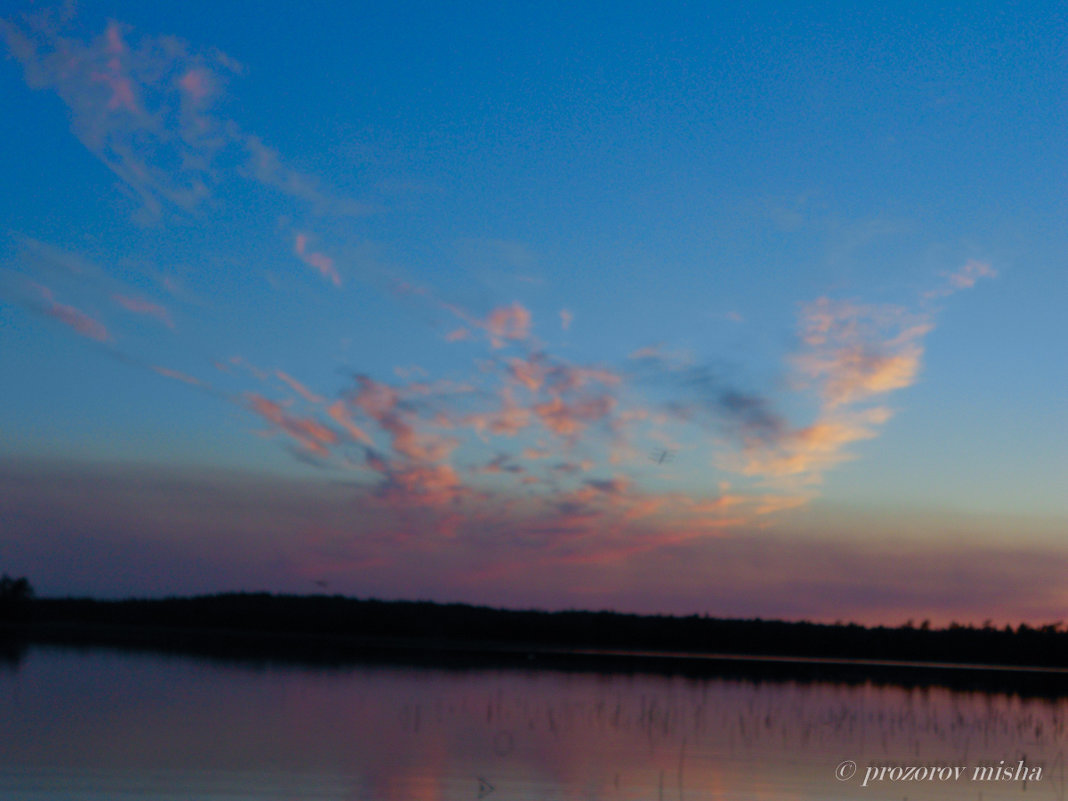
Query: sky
[{"x": 726, "y": 309}]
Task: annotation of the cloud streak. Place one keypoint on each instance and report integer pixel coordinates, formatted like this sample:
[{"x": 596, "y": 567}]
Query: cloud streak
[
  {"x": 75, "y": 319},
  {"x": 964, "y": 278},
  {"x": 309, "y": 433},
  {"x": 852, "y": 355},
  {"x": 145, "y": 308},
  {"x": 143, "y": 106},
  {"x": 316, "y": 260},
  {"x": 856, "y": 352}
]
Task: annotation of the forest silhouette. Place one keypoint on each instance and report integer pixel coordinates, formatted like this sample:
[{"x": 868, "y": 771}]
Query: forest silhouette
[{"x": 338, "y": 628}]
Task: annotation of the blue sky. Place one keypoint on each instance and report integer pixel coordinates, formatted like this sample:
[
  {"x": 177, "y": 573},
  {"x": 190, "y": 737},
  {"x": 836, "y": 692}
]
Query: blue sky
[{"x": 437, "y": 282}]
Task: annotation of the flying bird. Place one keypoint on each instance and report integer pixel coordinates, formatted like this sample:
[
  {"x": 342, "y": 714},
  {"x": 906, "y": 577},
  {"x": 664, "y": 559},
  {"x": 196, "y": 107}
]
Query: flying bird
[{"x": 662, "y": 456}]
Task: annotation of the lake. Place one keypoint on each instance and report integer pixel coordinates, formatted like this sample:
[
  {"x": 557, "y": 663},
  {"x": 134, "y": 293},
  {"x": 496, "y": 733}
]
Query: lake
[{"x": 95, "y": 723}]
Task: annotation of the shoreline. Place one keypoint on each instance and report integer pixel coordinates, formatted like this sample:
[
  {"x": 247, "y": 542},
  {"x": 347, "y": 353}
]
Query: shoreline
[{"x": 337, "y": 650}]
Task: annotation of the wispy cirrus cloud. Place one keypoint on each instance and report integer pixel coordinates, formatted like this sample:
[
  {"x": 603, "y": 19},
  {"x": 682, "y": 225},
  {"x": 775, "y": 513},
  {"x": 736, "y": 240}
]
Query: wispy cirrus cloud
[
  {"x": 144, "y": 106},
  {"x": 316, "y": 260},
  {"x": 311, "y": 434},
  {"x": 502, "y": 325},
  {"x": 117, "y": 98},
  {"x": 811, "y": 450},
  {"x": 570, "y": 440},
  {"x": 339, "y": 413},
  {"x": 856, "y": 352},
  {"x": 298, "y": 387},
  {"x": 75, "y": 319},
  {"x": 144, "y": 307},
  {"x": 852, "y": 355},
  {"x": 177, "y": 375},
  {"x": 964, "y": 278}
]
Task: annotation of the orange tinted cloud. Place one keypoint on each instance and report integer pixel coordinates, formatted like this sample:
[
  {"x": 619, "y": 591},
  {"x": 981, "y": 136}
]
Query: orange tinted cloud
[
  {"x": 538, "y": 370},
  {"x": 424, "y": 485},
  {"x": 508, "y": 322},
  {"x": 858, "y": 352},
  {"x": 528, "y": 372},
  {"x": 340, "y": 415},
  {"x": 381, "y": 404},
  {"x": 853, "y": 353},
  {"x": 508, "y": 420},
  {"x": 310, "y": 433},
  {"x": 569, "y": 419},
  {"x": 502, "y": 324},
  {"x": 809, "y": 451}
]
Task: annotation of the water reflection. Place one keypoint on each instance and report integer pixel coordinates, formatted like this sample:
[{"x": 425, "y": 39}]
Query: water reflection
[
  {"x": 95, "y": 723},
  {"x": 11, "y": 654}
]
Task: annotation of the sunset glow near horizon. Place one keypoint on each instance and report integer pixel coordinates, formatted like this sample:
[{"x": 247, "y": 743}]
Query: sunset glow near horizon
[{"x": 740, "y": 311}]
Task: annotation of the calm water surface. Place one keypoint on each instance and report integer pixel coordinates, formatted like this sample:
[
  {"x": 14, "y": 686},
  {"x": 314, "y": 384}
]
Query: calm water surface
[{"x": 107, "y": 724}]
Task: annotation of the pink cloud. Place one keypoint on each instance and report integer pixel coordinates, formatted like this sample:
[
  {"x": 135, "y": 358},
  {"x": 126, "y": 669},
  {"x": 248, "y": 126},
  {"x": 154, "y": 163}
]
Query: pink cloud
[
  {"x": 298, "y": 387},
  {"x": 319, "y": 261},
  {"x": 566, "y": 318},
  {"x": 264, "y": 531},
  {"x": 858, "y": 352},
  {"x": 178, "y": 376},
  {"x": 377, "y": 400},
  {"x": 502, "y": 324},
  {"x": 113, "y": 36},
  {"x": 115, "y": 76},
  {"x": 648, "y": 352},
  {"x": 338, "y": 411},
  {"x": 76, "y": 320},
  {"x": 239, "y": 361},
  {"x": 567, "y": 377},
  {"x": 569, "y": 419},
  {"x": 508, "y": 322},
  {"x": 310, "y": 433},
  {"x": 971, "y": 272},
  {"x": 420, "y": 446},
  {"x": 508, "y": 420},
  {"x": 141, "y": 110},
  {"x": 122, "y": 93},
  {"x": 537, "y": 371},
  {"x": 197, "y": 84},
  {"x": 964, "y": 278},
  {"x": 419, "y": 453},
  {"x": 144, "y": 307},
  {"x": 434, "y": 485},
  {"x": 458, "y": 335},
  {"x": 809, "y": 451},
  {"x": 528, "y": 372}
]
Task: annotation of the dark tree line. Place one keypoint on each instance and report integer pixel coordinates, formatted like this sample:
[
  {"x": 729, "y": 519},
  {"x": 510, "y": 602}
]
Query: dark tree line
[
  {"x": 295, "y": 620},
  {"x": 15, "y": 596}
]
